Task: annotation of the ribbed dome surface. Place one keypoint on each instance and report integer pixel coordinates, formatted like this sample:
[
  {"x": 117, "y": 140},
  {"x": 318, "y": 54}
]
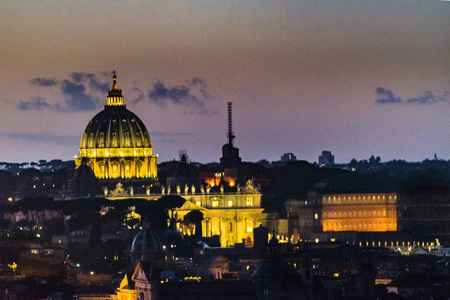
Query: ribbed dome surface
[
  {"x": 273, "y": 269},
  {"x": 146, "y": 241},
  {"x": 116, "y": 143},
  {"x": 115, "y": 127}
]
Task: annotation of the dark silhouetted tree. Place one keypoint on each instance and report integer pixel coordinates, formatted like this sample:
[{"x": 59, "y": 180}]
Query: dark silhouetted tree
[
  {"x": 168, "y": 203},
  {"x": 195, "y": 217}
]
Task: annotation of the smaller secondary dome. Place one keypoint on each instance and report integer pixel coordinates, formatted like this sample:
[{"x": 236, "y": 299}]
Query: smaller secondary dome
[
  {"x": 274, "y": 269},
  {"x": 146, "y": 242},
  {"x": 84, "y": 171},
  {"x": 84, "y": 181}
]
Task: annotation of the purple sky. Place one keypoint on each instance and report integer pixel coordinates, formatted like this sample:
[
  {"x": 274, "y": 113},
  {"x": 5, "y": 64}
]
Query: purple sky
[{"x": 353, "y": 77}]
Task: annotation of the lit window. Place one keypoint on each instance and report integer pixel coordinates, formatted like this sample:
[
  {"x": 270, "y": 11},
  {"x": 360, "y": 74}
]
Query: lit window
[
  {"x": 215, "y": 203},
  {"x": 316, "y": 216},
  {"x": 249, "y": 201},
  {"x": 199, "y": 203},
  {"x": 249, "y": 225},
  {"x": 230, "y": 203}
]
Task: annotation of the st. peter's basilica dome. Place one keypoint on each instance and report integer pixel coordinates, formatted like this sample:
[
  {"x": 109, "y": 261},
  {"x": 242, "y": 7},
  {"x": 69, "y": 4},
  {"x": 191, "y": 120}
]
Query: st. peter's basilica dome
[{"x": 116, "y": 143}]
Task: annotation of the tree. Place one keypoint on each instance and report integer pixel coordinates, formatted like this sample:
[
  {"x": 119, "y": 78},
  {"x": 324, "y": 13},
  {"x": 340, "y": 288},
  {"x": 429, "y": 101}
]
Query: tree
[
  {"x": 374, "y": 160},
  {"x": 34, "y": 208},
  {"x": 194, "y": 217},
  {"x": 24, "y": 223},
  {"x": 5, "y": 223},
  {"x": 169, "y": 203},
  {"x": 152, "y": 215}
]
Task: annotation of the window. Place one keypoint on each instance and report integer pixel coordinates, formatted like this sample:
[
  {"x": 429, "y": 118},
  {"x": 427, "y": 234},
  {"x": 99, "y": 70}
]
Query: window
[
  {"x": 249, "y": 225},
  {"x": 199, "y": 203},
  {"x": 316, "y": 216},
  {"x": 215, "y": 227},
  {"x": 230, "y": 203},
  {"x": 249, "y": 201},
  {"x": 215, "y": 203}
]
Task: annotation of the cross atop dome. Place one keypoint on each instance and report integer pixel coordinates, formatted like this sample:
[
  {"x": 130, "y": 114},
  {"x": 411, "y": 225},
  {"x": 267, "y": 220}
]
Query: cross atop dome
[{"x": 115, "y": 97}]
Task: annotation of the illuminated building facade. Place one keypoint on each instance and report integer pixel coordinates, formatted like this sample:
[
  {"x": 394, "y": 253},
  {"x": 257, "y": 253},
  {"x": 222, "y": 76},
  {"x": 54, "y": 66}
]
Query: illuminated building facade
[
  {"x": 359, "y": 212},
  {"x": 400, "y": 219},
  {"x": 116, "y": 143},
  {"x": 230, "y": 216}
]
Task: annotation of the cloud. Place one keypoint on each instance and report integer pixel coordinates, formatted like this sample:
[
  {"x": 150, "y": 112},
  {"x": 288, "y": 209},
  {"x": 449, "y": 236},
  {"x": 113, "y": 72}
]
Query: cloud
[
  {"x": 76, "y": 98},
  {"x": 140, "y": 95},
  {"x": 386, "y": 96},
  {"x": 160, "y": 94},
  {"x": 192, "y": 93},
  {"x": 44, "y": 81},
  {"x": 64, "y": 140},
  {"x": 81, "y": 92},
  {"x": 200, "y": 83},
  {"x": 427, "y": 98},
  {"x": 35, "y": 103},
  {"x": 92, "y": 80}
]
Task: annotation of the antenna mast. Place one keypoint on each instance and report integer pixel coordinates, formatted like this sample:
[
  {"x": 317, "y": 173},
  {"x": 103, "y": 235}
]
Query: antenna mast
[{"x": 230, "y": 124}]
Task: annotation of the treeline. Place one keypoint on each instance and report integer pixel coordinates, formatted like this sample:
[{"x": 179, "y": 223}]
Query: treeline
[{"x": 85, "y": 211}]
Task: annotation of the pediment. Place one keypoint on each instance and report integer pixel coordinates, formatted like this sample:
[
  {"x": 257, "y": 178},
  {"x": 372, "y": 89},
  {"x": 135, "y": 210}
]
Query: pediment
[
  {"x": 219, "y": 260},
  {"x": 188, "y": 205},
  {"x": 139, "y": 274}
]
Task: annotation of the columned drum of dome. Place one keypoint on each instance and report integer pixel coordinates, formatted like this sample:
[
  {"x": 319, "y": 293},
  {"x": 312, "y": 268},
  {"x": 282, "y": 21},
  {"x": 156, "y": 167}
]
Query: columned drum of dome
[{"x": 116, "y": 143}]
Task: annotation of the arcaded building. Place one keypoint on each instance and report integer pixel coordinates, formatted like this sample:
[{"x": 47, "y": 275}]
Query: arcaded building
[
  {"x": 116, "y": 144},
  {"x": 359, "y": 212}
]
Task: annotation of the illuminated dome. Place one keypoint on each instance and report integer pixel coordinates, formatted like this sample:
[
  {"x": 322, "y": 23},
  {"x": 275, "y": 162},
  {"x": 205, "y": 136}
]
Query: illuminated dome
[
  {"x": 115, "y": 127},
  {"x": 116, "y": 143}
]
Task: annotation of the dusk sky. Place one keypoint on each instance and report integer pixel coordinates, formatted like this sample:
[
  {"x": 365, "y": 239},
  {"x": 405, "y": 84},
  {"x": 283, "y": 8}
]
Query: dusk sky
[{"x": 353, "y": 77}]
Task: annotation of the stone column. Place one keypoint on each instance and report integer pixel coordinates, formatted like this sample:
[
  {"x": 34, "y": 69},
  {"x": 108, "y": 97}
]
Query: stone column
[
  {"x": 223, "y": 232},
  {"x": 207, "y": 227}
]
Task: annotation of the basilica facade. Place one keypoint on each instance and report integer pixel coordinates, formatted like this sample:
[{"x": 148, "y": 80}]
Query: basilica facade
[{"x": 230, "y": 216}]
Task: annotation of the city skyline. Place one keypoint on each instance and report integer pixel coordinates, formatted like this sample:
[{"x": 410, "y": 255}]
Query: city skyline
[{"x": 355, "y": 78}]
